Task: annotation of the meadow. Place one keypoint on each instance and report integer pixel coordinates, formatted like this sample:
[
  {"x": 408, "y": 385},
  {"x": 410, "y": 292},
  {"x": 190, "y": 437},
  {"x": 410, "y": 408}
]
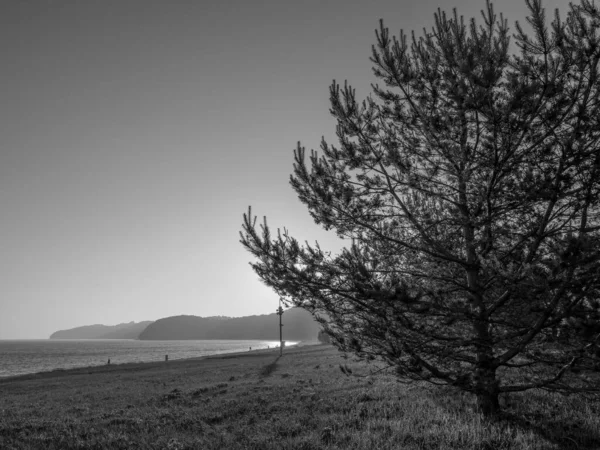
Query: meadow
[{"x": 258, "y": 400}]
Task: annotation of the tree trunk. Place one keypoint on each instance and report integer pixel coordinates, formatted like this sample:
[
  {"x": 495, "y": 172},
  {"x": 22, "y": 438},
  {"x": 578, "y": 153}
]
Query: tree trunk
[
  {"x": 487, "y": 391},
  {"x": 487, "y": 403}
]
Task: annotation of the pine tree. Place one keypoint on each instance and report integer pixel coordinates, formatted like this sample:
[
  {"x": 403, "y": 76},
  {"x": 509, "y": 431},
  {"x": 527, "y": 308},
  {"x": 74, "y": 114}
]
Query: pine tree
[{"x": 469, "y": 186}]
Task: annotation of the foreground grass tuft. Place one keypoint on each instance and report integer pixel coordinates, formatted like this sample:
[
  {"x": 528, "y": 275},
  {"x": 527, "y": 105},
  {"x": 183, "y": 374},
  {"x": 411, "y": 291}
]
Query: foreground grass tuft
[{"x": 257, "y": 400}]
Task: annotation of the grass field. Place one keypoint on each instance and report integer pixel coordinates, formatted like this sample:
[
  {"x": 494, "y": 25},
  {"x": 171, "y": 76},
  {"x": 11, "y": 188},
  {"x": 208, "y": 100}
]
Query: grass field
[{"x": 257, "y": 400}]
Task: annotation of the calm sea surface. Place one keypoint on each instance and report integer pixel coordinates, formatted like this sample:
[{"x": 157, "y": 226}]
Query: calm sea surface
[{"x": 19, "y": 357}]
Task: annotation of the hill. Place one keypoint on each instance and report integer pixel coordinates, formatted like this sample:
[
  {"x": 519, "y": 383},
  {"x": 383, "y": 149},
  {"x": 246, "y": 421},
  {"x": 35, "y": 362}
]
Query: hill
[
  {"x": 129, "y": 330},
  {"x": 299, "y": 325}
]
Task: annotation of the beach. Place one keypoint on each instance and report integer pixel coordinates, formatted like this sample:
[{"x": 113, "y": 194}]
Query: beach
[
  {"x": 21, "y": 357},
  {"x": 258, "y": 400}
]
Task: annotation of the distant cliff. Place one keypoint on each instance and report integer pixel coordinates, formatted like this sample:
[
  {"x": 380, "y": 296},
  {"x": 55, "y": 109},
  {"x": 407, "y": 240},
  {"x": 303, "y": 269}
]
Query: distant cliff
[
  {"x": 299, "y": 325},
  {"x": 129, "y": 330}
]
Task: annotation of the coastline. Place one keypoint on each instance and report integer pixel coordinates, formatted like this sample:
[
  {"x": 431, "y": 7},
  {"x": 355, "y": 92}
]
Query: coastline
[{"x": 136, "y": 366}]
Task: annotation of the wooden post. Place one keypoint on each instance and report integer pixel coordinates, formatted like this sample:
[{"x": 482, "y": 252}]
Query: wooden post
[{"x": 166, "y": 358}]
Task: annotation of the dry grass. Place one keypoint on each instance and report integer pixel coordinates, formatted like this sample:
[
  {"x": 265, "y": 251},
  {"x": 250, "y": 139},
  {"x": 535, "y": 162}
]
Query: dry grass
[{"x": 259, "y": 401}]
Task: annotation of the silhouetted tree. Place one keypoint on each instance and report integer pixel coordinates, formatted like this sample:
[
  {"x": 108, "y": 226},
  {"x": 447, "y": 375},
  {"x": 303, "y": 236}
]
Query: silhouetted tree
[{"x": 469, "y": 185}]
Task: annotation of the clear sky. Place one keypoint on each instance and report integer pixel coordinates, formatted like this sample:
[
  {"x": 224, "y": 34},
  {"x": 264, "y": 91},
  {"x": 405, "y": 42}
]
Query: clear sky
[{"x": 135, "y": 133}]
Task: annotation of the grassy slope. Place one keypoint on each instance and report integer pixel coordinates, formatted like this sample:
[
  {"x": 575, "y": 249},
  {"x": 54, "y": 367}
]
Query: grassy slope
[{"x": 259, "y": 401}]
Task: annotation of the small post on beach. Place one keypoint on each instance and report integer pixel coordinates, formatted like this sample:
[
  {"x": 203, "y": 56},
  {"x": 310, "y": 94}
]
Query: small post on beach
[
  {"x": 108, "y": 361},
  {"x": 280, "y": 314},
  {"x": 166, "y": 358}
]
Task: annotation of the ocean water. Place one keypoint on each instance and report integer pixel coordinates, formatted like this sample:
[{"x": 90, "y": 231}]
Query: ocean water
[{"x": 18, "y": 357}]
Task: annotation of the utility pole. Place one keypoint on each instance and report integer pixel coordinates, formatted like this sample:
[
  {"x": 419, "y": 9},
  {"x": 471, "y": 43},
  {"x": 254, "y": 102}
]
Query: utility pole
[{"x": 280, "y": 314}]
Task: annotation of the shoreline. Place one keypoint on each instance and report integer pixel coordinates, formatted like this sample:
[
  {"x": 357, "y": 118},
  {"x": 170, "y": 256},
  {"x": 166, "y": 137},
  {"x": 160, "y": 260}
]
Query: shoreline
[{"x": 141, "y": 365}]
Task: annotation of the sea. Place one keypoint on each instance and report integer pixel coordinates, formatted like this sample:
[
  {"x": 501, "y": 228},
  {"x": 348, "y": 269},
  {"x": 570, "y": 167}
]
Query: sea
[{"x": 19, "y": 357}]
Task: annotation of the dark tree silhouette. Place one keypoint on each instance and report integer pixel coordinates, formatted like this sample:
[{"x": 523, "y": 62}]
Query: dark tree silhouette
[{"x": 469, "y": 186}]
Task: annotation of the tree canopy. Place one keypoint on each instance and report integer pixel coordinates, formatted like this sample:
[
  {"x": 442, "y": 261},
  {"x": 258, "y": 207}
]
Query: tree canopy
[{"x": 468, "y": 184}]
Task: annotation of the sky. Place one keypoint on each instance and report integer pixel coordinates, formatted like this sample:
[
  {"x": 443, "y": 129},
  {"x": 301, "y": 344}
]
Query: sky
[{"x": 134, "y": 134}]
